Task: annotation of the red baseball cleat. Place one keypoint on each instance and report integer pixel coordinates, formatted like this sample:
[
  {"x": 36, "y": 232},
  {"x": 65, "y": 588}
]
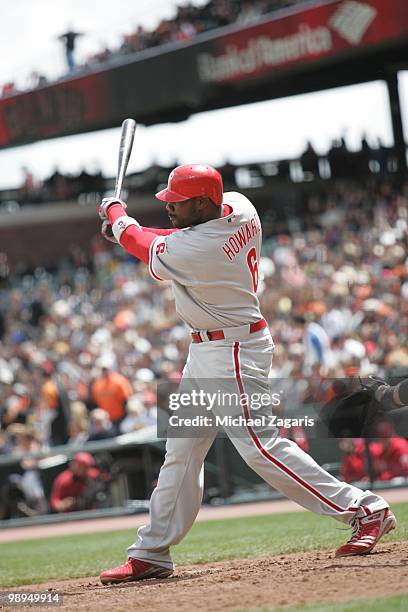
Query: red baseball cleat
[
  {"x": 366, "y": 532},
  {"x": 134, "y": 569}
]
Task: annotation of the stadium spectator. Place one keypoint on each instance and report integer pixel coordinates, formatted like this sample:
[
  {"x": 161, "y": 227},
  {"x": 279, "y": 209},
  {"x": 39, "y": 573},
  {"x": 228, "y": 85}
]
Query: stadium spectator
[
  {"x": 362, "y": 159},
  {"x": 24, "y": 439},
  {"x": 23, "y": 494},
  {"x": 28, "y": 188},
  {"x": 111, "y": 392},
  {"x": 100, "y": 426},
  {"x": 58, "y": 187},
  {"x": 8, "y": 89},
  {"x": 78, "y": 427},
  {"x": 4, "y": 275},
  {"x": 310, "y": 162},
  {"x": 16, "y": 404},
  {"x": 283, "y": 169},
  {"x": 184, "y": 32},
  {"x": 133, "y": 420},
  {"x": 71, "y": 487},
  {"x": 339, "y": 159},
  {"x": 391, "y": 461},
  {"x": 352, "y": 467},
  {"x": 69, "y": 39},
  {"x": 55, "y": 409},
  {"x": 249, "y": 12},
  {"x": 353, "y": 463},
  {"x": 36, "y": 79},
  {"x": 133, "y": 42}
]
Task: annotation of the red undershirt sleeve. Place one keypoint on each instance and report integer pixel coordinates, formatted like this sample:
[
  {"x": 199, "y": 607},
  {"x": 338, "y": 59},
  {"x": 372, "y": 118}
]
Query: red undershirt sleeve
[
  {"x": 137, "y": 243},
  {"x": 133, "y": 240}
]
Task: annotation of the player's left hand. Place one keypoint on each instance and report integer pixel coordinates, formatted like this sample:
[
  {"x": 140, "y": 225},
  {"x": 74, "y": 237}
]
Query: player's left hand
[
  {"x": 106, "y": 231},
  {"x": 105, "y": 204}
]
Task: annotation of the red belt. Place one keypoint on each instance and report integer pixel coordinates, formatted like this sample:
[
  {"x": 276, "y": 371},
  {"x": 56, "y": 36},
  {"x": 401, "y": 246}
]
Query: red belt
[{"x": 218, "y": 334}]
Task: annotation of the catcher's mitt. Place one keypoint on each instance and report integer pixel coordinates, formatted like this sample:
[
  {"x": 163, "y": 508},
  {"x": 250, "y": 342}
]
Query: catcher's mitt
[{"x": 354, "y": 411}]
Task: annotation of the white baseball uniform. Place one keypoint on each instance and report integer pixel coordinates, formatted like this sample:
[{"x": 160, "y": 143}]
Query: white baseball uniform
[{"x": 214, "y": 272}]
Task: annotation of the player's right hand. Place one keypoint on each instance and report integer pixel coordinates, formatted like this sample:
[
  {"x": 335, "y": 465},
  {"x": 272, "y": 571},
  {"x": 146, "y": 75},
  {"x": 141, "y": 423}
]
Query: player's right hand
[
  {"x": 105, "y": 204},
  {"x": 65, "y": 504},
  {"x": 106, "y": 231}
]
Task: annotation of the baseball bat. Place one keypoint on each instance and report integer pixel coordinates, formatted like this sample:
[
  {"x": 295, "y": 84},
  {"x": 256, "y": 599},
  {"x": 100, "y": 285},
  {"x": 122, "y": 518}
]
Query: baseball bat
[{"x": 127, "y": 135}]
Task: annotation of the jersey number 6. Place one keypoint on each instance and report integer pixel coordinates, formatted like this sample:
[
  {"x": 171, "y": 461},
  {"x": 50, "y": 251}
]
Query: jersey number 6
[{"x": 252, "y": 262}]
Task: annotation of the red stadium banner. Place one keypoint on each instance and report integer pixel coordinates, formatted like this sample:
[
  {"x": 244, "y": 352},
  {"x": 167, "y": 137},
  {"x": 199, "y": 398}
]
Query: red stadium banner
[
  {"x": 303, "y": 36},
  {"x": 228, "y": 66},
  {"x": 48, "y": 111}
]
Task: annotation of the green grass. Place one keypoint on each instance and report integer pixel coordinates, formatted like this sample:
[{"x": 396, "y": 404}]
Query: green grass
[
  {"x": 396, "y": 603},
  {"x": 32, "y": 561}
]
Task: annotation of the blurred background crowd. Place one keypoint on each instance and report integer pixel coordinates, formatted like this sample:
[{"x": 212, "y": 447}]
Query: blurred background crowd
[{"x": 84, "y": 343}]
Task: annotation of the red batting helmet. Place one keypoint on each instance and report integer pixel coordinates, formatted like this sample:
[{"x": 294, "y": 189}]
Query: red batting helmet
[
  {"x": 190, "y": 181},
  {"x": 84, "y": 459}
]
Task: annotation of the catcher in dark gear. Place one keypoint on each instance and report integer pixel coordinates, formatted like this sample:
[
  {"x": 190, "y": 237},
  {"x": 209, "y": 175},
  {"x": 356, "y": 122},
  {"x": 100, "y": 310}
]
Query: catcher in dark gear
[{"x": 359, "y": 409}]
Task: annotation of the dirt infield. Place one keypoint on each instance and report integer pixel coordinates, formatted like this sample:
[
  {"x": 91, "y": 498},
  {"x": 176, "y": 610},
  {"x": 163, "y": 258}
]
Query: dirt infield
[{"x": 283, "y": 580}]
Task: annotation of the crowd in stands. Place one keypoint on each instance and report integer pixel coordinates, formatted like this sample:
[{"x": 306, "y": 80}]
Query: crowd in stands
[
  {"x": 83, "y": 346},
  {"x": 55, "y": 188},
  {"x": 388, "y": 456},
  {"x": 339, "y": 162},
  {"x": 192, "y": 20},
  {"x": 189, "y": 21}
]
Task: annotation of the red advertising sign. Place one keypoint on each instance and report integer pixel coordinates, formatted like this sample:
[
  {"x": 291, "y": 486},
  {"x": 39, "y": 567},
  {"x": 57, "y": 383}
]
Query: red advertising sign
[
  {"x": 64, "y": 107},
  {"x": 168, "y": 85},
  {"x": 303, "y": 36}
]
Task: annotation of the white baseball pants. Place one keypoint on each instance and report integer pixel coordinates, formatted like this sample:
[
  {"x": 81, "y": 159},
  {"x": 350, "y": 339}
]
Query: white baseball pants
[{"x": 176, "y": 500}]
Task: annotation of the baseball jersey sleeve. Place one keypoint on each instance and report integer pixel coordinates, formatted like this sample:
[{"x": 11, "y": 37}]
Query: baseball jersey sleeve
[
  {"x": 175, "y": 257},
  {"x": 159, "y": 231}
]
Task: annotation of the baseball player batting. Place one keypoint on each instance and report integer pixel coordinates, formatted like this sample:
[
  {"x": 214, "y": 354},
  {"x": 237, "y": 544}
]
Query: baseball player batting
[{"x": 213, "y": 266}]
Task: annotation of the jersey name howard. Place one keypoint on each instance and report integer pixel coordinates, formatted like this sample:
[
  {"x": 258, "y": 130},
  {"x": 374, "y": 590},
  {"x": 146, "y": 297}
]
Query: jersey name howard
[{"x": 241, "y": 237}]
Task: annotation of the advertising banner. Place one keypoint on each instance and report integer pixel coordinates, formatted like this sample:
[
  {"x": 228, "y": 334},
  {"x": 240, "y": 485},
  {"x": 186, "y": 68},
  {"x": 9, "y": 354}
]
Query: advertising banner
[{"x": 170, "y": 83}]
